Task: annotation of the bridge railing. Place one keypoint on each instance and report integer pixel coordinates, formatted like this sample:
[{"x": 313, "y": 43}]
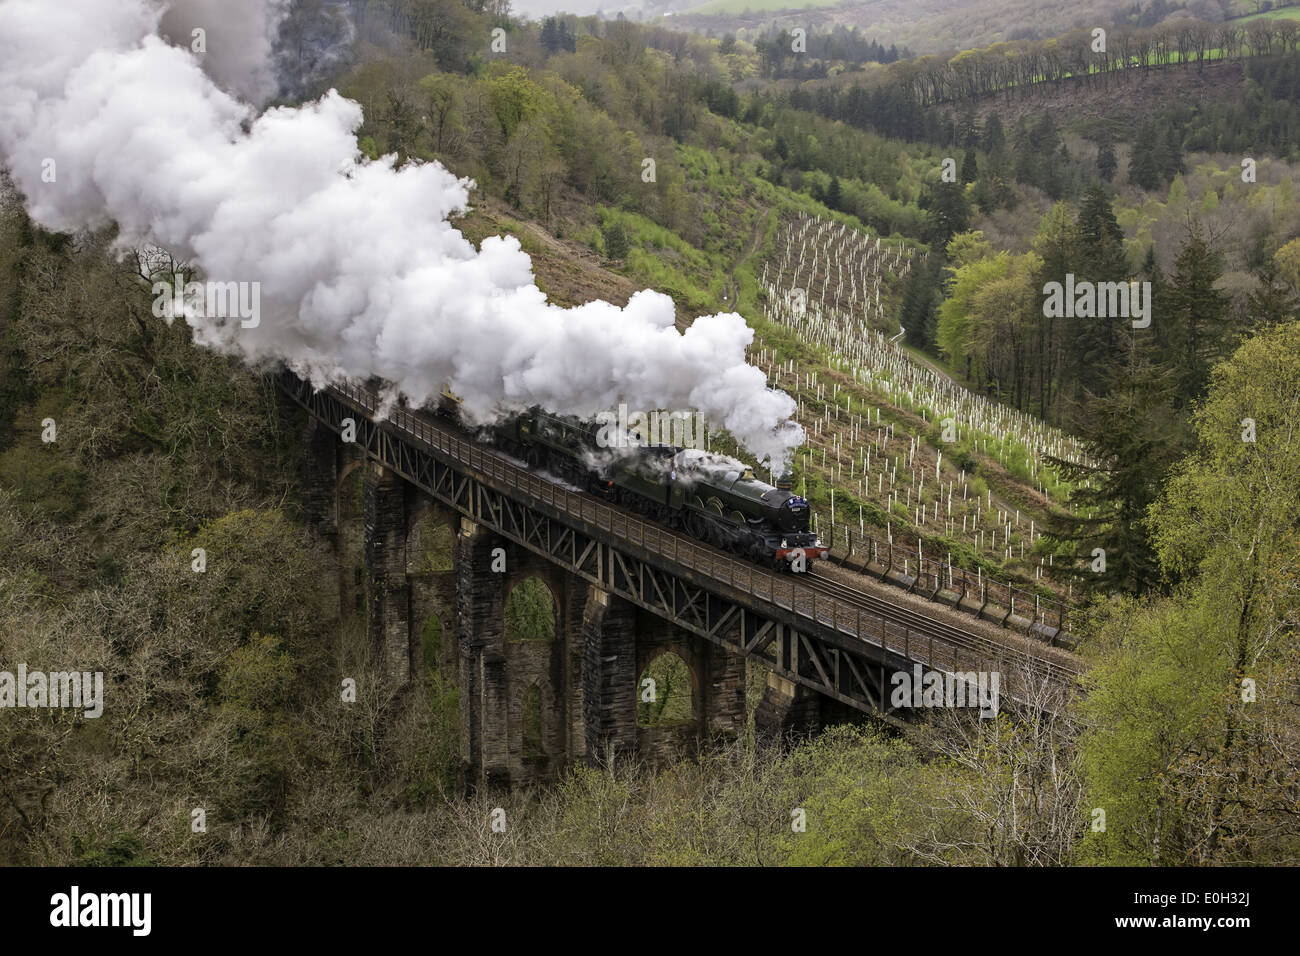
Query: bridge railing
[
  {"x": 934, "y": 574},
  {"x": 951, "y": 650}
]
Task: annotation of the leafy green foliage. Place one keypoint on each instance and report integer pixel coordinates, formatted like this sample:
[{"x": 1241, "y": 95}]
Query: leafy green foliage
[
  {"x": 673, "y": 700},
  {"x": 231, "y": 676},
  {"x": 530, "y": 611},
  {"x": 1191, "y": 761},
  {"x": 616, "y": 244}
]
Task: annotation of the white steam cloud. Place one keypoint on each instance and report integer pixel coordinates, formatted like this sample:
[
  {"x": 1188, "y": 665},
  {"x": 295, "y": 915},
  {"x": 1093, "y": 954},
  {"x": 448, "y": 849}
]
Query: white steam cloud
[
  {"x": 237, "y": 36},
  {"x": 360, "y": 272}
]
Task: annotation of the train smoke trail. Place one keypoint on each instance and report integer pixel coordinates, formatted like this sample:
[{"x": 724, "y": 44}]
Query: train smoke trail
[
  {"x": 239, "y": 35},
  {"x": 360, "y": 272}
]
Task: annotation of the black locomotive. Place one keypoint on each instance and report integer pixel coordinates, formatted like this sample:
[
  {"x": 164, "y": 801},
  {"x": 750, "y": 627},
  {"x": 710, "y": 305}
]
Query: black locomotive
[{"x": 711, "y": 497}]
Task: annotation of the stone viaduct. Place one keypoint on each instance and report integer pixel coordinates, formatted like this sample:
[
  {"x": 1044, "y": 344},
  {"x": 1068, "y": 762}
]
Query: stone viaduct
[{"x": 433, "y": 587}]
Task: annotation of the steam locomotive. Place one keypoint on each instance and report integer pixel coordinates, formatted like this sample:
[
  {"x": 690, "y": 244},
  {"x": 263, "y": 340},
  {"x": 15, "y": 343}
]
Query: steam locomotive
[{"x": 711, "y": 497}]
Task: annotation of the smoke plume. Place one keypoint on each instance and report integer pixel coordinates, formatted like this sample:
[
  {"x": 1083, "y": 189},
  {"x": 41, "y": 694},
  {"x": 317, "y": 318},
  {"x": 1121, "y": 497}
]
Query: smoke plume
[
  {"x": 237, "y": 36},
  {"x": 360, "y": 272}
]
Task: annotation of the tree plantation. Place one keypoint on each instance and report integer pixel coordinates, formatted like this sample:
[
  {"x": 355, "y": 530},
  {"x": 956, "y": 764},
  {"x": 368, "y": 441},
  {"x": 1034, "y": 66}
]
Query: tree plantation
[{"x": 1035, "y": 305}]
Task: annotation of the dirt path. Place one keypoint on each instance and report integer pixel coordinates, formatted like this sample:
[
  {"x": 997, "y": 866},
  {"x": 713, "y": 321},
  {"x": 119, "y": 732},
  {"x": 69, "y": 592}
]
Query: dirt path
[{"x": 731, "y": 288}]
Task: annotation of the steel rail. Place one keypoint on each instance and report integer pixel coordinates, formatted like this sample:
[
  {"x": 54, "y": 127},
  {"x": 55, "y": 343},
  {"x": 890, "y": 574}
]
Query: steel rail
[{"x": 1057, "y": 670}]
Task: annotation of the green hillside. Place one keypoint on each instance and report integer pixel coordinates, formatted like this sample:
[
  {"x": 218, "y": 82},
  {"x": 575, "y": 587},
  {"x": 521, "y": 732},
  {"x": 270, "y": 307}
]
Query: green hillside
[{"x": 889, "y": 231}]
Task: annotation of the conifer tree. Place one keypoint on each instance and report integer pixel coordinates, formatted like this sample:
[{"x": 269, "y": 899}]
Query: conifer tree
[
  {"x": 1094, "y": 340},
  {"x": 833, "y": 196},
  {"x": 1273, "y": 302},
  {"x": 919, "y": 303},
  {"x": 994, "y": 138},
  {"x": 1171, "y": 155},
  {"x": 547, "y": 36},
  {"x": 1133, "y": 436},
  {"x": 1160, "y": 327},
  {"x": 1057, "y": 245},
  {"x": 1143, "y": 171},
  {"x": 616, "y": 244},
  {"x": 969, "y": 167},
  {"x": 1106, "y": 161},
  {"x": 1199, "y": 332},
  {"x": 947, "y": 212}
]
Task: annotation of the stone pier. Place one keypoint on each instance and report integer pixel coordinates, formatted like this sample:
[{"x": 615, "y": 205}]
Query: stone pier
[
  {"x": 787, "y": 709},
  {"x": 388, "y": 593},
  {"x": 609, "y": 679},
  {"x": 553, "y": 682}
]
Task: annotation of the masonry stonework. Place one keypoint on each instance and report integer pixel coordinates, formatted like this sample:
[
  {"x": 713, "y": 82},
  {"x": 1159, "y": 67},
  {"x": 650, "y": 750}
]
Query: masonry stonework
[
  {"x": 431, "y": 572},
  {"x": 434, "y": 586},
  {"x": 787, "y": 709},
  {"x": 717, "y": 690},
  {"x": 609, "y": 677},
  {"x": 320, "y": 480}
]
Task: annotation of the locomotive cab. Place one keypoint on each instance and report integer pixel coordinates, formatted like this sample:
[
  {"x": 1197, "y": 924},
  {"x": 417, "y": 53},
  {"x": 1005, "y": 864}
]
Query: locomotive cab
[{"x": 793, "y": 514}]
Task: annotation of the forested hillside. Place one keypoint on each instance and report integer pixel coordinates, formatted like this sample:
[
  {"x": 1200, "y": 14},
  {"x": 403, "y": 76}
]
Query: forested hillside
[
  {"x": 936, "y": 26},
  {"x": 916, "y": 209}
]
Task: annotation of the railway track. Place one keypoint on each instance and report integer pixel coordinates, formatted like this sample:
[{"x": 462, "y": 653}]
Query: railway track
[{"x": 1063, "y": 669}]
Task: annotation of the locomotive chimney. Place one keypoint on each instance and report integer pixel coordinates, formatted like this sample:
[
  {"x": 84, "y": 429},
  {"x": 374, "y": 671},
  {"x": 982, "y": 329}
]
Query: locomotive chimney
[{"x": 785, "y": 482}]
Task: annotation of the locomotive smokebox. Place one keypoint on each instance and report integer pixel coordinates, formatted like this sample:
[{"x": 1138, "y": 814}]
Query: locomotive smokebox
[{"x": 785, "y": 482}]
